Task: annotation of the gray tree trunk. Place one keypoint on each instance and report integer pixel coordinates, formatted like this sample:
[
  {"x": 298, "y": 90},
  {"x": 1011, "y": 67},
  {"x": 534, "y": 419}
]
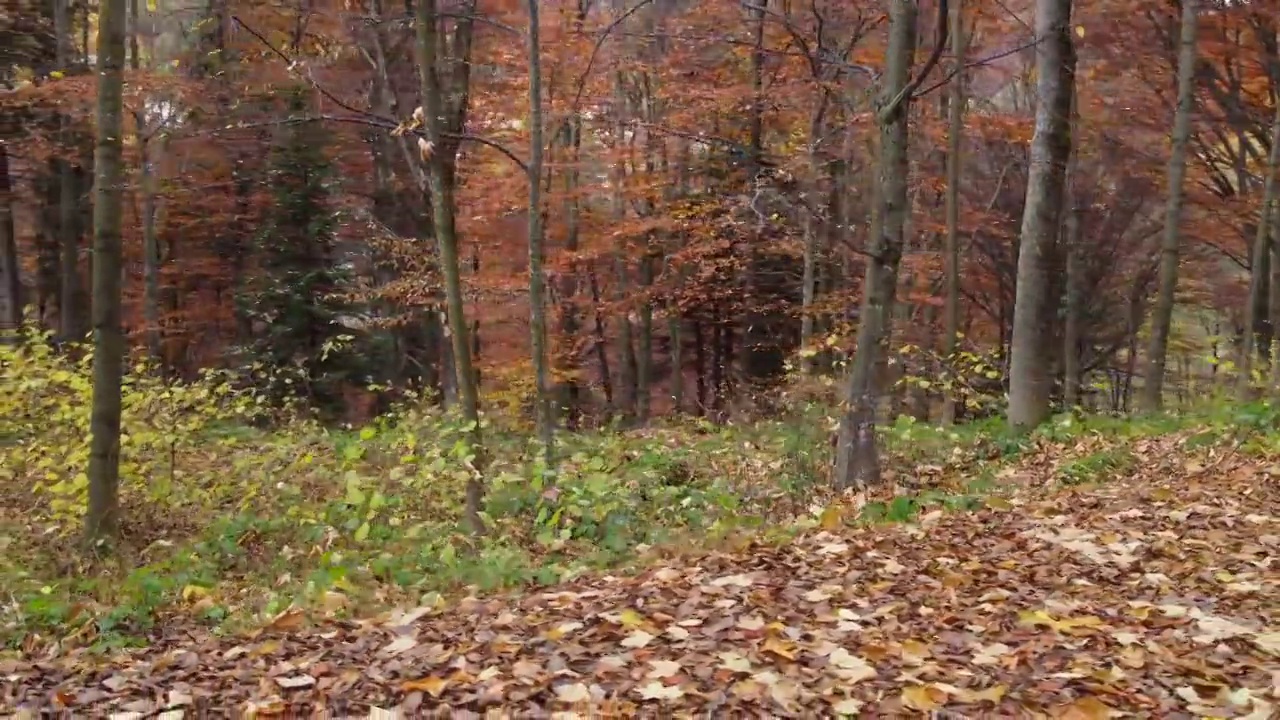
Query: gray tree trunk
[
  {"x": 537, "y": 311},
  {"x": 1071, "y": 228},
  {"x": 101, "y": 521},
  {"x": 1029, "y": 379},
  {"x": 440, "y": 182},
  {"x": 857, "y": 457},
  {"x": 1261, "y": 245},
  {"x": 10, "y": 282},
  {"x": 1152, "y": 398},
  {"x": 951, "y": 251}
]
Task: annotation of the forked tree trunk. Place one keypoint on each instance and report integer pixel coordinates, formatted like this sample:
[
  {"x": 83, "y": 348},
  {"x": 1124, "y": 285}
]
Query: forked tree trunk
[
  {"x": 1029, "y": 379},
  {"x": 857, "y": 458},
  {"x": 1162, "y": 317},
  {"x": 101, "y": 521}
]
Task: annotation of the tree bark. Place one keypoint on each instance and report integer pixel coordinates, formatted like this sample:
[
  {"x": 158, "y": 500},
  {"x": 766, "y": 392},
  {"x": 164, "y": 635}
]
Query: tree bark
[
  {"x": 1162, "y": 316},
  {"x": 151, "y": 150},
  {"x": 1258, "y": 280},
  {"x": 537, "y": 314},
  {"x": 70, "y": 315},
  {"x": 1029, "y": 379},
  {"x": 102, "y": 516},
  {"x": 951, "y": 251},
  {"x": 857, "y": 457},
  {"x": 1071, "y": 240},
  {"x": 10, "y": 281},
  {"x": 440, "y": 182}
]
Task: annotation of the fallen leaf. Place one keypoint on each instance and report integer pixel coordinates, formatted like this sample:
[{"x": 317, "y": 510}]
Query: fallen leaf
[
  {"x": 662, "y": 668},
  {"x": 430, "y": 684},
  {"x": 637, "y": 639},
  {"x": 925, "y": 698},
  {"x": 572, "y": 693},
  {"x": 399, "y": 645},
  {"x": 657, "y": 691},
  {"x": 295, "y": 682}
]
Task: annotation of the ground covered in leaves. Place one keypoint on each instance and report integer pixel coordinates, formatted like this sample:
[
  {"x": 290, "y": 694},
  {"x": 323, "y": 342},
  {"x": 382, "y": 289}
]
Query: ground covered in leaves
[{"x": 1152, "y": 595}]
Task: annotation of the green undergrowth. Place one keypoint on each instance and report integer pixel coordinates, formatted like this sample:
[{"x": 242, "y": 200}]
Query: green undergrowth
[{"x": 233, "y": 513}]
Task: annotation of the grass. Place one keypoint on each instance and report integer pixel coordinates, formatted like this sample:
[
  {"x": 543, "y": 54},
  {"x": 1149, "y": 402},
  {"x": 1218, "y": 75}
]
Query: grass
[{"x": 229, "y": 523}]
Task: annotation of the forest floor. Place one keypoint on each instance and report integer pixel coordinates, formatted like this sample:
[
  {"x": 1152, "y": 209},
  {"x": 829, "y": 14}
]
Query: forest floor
[{"x": 1102, "y": 575}]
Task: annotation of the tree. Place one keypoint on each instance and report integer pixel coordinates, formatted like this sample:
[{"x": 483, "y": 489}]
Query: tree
[
  {"x": 437, "y": 152},
  {"x": 1029, "y": 383},
  {"x": 1162, "y": 316},
  {"x": 857, "y": 457},
  {"x": 951, "y": 254},
  {"x": 10, "y": 283},
  {"x": 537, "y": 308},
  {"x": 101, "y": 522}
]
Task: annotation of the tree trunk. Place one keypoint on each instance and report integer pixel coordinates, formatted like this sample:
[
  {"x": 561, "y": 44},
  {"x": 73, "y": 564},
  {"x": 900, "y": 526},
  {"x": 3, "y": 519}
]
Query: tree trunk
[
  {"x": 1029, "y": 380},
  {"x": 951, "y": 253},
  {"x": 1071, "y": 229},
  {"x": 537, "y": 315},
  {"x": 440, "y": 181},
  {"x": 101, "y": 522},
  {"x": 151, "y": 149},
  {"x": 857, "y": 458},
  {"x": 10, "y": 282},
  {"x": 70, "y": 315},
  {"x": 1162, "y": 316},
  {"x": 1258, "y": 280}
]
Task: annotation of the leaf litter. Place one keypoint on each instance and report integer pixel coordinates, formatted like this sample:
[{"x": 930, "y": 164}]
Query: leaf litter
[{"x": 1138, "y": 598}]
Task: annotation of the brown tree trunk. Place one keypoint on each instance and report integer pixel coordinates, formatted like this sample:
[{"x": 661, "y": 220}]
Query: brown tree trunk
[
  {"x": 101, "y": 521},
  {"x": 10, "y": 281},
  {"x": 441, "y": 183},
  {"x": 1152, "y": 397}
]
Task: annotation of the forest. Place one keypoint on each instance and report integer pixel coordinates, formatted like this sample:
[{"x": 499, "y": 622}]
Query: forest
[{"x": 831, "y": 358}]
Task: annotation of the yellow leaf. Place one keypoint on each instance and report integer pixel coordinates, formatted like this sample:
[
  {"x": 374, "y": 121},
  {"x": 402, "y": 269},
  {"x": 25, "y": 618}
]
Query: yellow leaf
[
  {"x": 832, "y": 518},
  {"x": 1080, "y": 31},
  {"x": 191, "y": 593},
  {"x": 779, "y": 647},
  {"x": 630, "y": 618},
  {"x": 429, "y": 684},
  {"x": 561, "y": 630},
  {"x": 57, "y": 75},
  {"x": 925, "y": 698}
]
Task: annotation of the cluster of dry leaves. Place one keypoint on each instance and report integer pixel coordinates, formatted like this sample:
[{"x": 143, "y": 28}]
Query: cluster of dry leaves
[{"x": 1142, "y": 598}]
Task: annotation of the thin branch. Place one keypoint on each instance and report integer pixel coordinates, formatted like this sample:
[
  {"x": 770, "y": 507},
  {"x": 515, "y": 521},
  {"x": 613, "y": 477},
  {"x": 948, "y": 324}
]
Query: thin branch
[
  {"x": 907, "y": 92},
  {"x": 370, "y": 118}
]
